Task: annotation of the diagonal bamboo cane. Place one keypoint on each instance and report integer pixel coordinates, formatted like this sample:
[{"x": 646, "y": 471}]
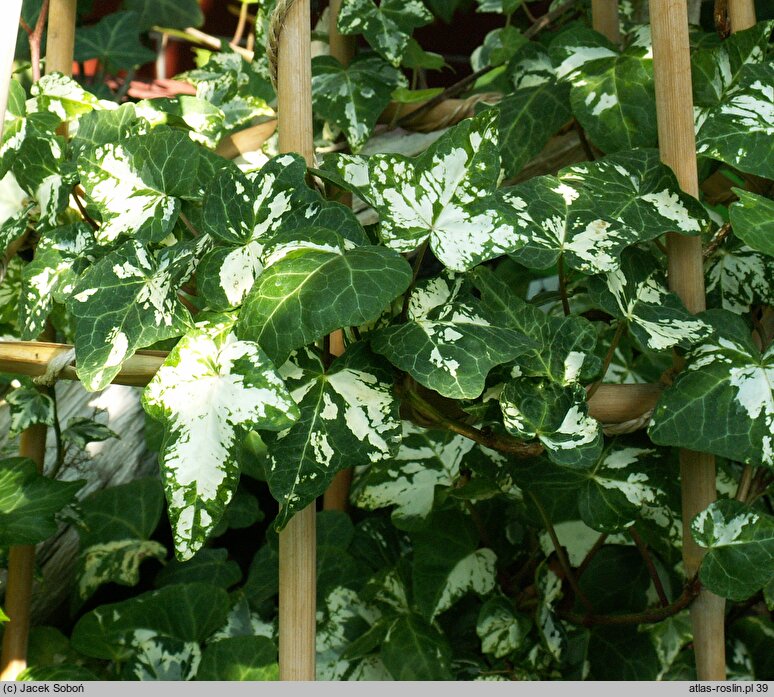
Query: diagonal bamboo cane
[{"x": 674, "y": 107}]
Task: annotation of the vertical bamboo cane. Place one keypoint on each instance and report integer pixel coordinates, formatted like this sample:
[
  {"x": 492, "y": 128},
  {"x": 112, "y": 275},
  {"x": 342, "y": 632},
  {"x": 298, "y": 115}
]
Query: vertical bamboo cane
[
  {"x": 604, "y": 18},
  {"x": 342, "y": 49},
  {"x": 674, "y": 105},
  {"x": 297, "y": 543},
  {"x": 741, "y": 14},
  {"x": 61, "y": 36}
]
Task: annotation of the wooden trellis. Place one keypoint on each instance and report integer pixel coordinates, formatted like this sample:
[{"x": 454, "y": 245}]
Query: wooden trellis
[{"x": 610, "y": 404}]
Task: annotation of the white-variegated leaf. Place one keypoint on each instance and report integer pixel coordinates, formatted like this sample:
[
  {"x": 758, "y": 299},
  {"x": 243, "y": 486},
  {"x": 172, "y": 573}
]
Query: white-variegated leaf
[
  {"x": 210, "y": 389},
  {"x": 752, "y": 218},
  {"x": 739, "y": 277},
  {"x": 636, "y": 293},
  {"x": 502, "y": 629},
  {"x": 556, "y": 415},
  {"x": 126, "y": 301},
  {"x": 550, "y": 628},
  {"x": 722, "y": 402},
  {"x": 447, "y": 194},
  {"x": 349, "y": 417},
  {"x": 740, "y": 548},
  {"x": 448, "y": 344}
]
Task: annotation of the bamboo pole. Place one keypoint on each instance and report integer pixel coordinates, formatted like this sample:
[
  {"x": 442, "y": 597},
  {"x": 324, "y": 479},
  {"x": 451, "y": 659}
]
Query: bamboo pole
[
  {"x": 610, "y": 403},
  {"x": 741, "y": 14},
  {"x": 342, "y": 49},
  {"x": 297, "y": 543},
  {"x": 604, "y": 19},
  {"x": 61, "y": 36},
  {"x": 8, "y": 31},
  {"x": 674, "y": 106}
]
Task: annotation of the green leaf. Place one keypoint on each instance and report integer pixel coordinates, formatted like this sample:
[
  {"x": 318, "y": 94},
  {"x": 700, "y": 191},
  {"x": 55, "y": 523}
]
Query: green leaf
[
  {"x": 446, "y": 194},
  {"x": 317, "y": 289},
  {"x": 426, "y": 459},
  {"x": 616, "y": 580},
  {"x": 447, "y": 563},
  {"x": 502, "y": 630},
  {"x": 503, "y": 7},
  {"x": 126, "y": 301},
  {"x": 500, "y": 45},
  {"x": 62, "y": 96},
  {"x": 448, "y": 344},
  {"x": 622, "y": 653},
  {"x": 386, "y": 27},
  {"x": 563, "y": 347},
  {"x": 58, "y": 673},
  {"x": 29, "y": 406},
  {"x": 636, "y": 293},
  {"x": 81, "y": 431},
  {"x": 612, "y": 94},
  {"x": 240, "y": 89},
  {"x": 188, "y": 613},
  {"x": 204, "y": 122},
  {"x": 528, "y": 119},
  {"x": 30, "y": 502},
  {"x": 107, "y": 126},
  {"x": 415, "y": 650},
  {"x": 738, "y": 277},
  {"x": 735, "y": 104},
  {"x": 556, "y": 415},
  {"x": 349, "y": 417},
  {"x": 353, "y": 97},
  {"x": 135, "y": 186},
  {"x": 239, "y": 658},
  {"x": 722, "y": 401},
  {"x": 171, "y": 14},
  {"x": 590, "y": 212},
  {"x": 444, "y": 9},
  {"x": 114, "y": 562},
  {"x": 752, "y": 218},
  {"x": 210, "y": 389},
  {"x": 114, "y": 41},
  {"x": 61, "y": 255},
  {"x": 416, "y": 57},
  {"x": 3, "y": 616},
  {"x": 206, "y": 566},
  {"x": 740, "y": 548}
]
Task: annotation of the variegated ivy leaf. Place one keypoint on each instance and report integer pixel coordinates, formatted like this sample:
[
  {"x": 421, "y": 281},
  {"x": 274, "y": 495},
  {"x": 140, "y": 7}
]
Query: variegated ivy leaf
[
  {"x": 446, "y": 194},
  {"x": 174, "y": 14},
  {"x": 108, "y": 126},
  {"x": 448, "y": 344},
  {"x": 349, "y": 417},
  {"x": 240, "y": 89},
  {"x": 415, "y": 649},
  {"x": 353, "y": 97},
  {"x": 159, "y": 657},
  {"x": 29, "y": 502},
  {"x": 135, "y": 186},
  {"x": 722, "y": 402},
  {"x": 734, "y": 101},
  {"x": 114, "y": 536},
  {"x": 126, "y": 301},
  {"x": 38, "y": 159},
  {"x": 740, "y": 548},
  {"x": 426, "y": 459},
  {"x": 63, "y": 96},
  {"x": 636, "y": 294},
  {"x": 205, "y": 120},
  {"x": 447, "y": 563},
  {"x": 612, "y": 93},
  {"x": 316, "y": 286},
  {"x": 387, "y": 27},
  {"x": 564, "y": 346},
  {"x": 534, "y": 112},
  {"x": 752, "y": 218},
  {"x": 624, "y": 484},
  {"x": 242, "y": 213},
  {"x": 114, "y": 41},
  {"x": 188, "y": 612},
  {"x": 61, "y": 255},
  {"x": 739, "y": 277},
  {"x": 239, "y": 658},
  {"x": 550, "y": 628},
  {"x": 502, "y": 629},
  {"x": 589, "y": 213},
  {"x": 556, "y": 415},
  {"x": 209, "y": 390},
  {"x": 115, "y": 562},
  {"x": 29, "y": 406}
]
